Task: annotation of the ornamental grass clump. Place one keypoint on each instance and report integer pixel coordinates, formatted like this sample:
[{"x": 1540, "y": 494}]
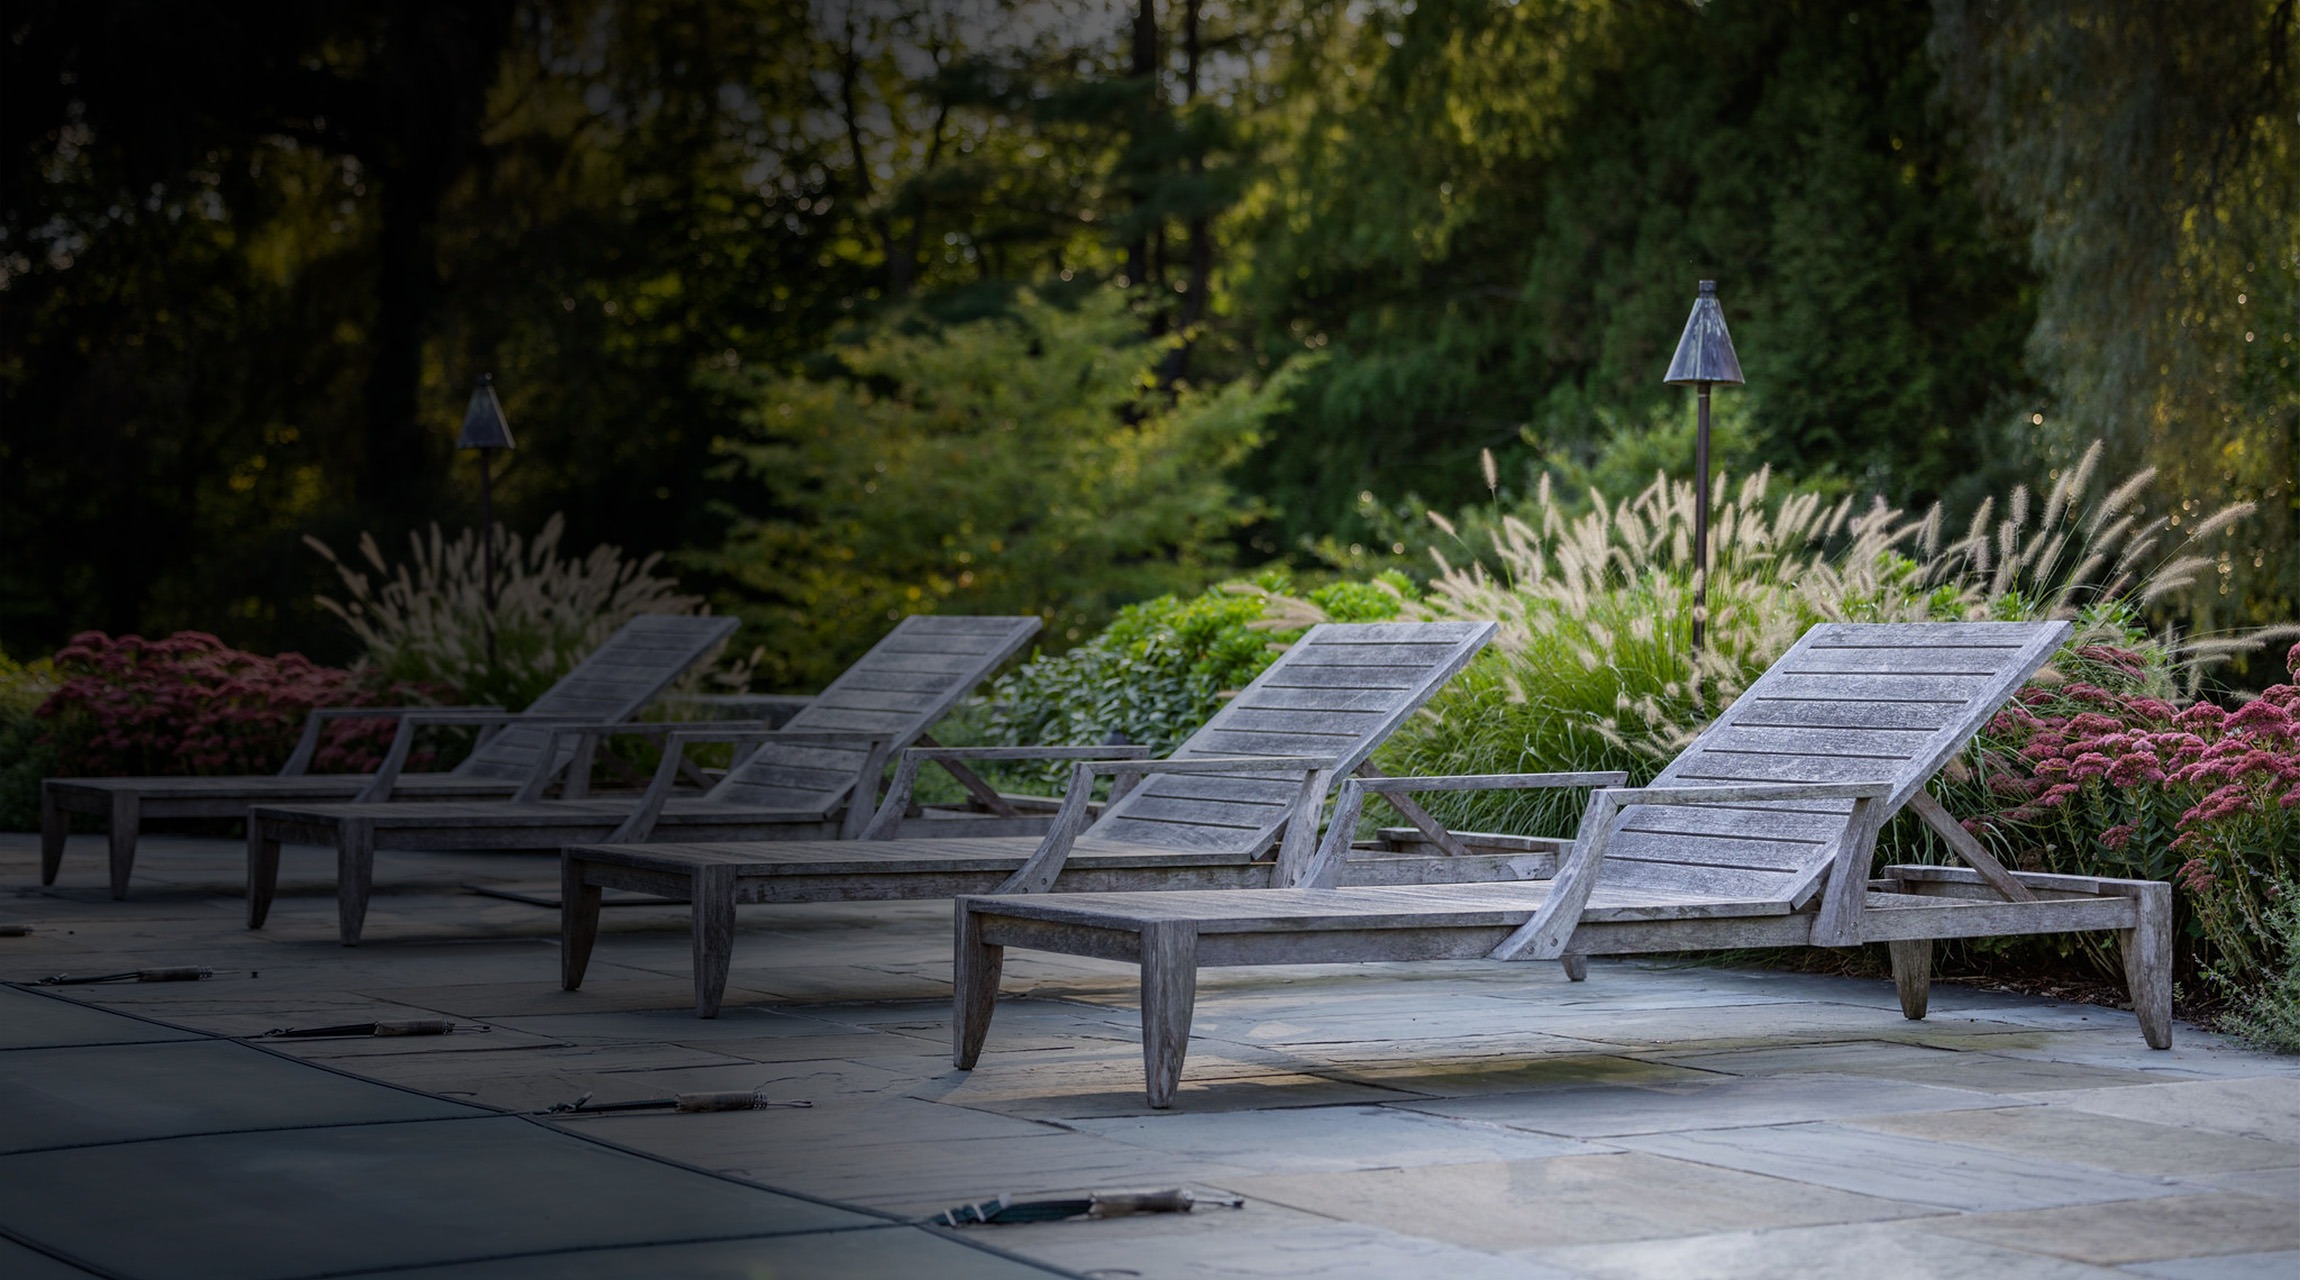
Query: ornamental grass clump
[
  {"x": 426, "y": 619},
  {"x": 1594, "y": 667}
]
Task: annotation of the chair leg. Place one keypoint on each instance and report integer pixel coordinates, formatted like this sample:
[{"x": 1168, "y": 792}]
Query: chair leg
[
  {"x": 127, "y": 816},
  {"x": 1576, "y": 968},
  {"x": 1912, "y": 975},
  {"x": 713, "y": 906},
  {"x": 1169, "y": 991},
  {"x": 55, "y": 825},
  {"x": 263, "y": 870},
  {"x": 578, "y": 922},
  {"x": 2147, "y": 949},
  {"x": 975, "y": 969},
  {"x": 354, "y": 877}
]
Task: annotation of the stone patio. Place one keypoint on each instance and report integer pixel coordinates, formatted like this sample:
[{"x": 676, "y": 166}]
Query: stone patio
[{"x": 1475, "y": 1120}]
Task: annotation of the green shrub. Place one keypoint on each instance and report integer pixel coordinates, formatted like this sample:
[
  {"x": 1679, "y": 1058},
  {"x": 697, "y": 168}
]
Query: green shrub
[
  {"x": 25, "y": 754},
  {"x": 2266, "y": 1014},
  {"x": 1161, "y": 668},
  {"x": 1027, "y": 462},
  {"x": 425, "y": 621}
]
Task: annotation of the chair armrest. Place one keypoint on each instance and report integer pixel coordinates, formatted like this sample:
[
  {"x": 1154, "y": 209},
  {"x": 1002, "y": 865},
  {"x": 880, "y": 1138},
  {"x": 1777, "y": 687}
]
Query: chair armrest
[
  {"x": 387, "y": 774},
  {"x": 1488, "y": 782},
  {"x": 1546, "y": 935},
  {"x": 1109, "y": 753},
  {"x": 1044, "y": 865},
  {"x": 1736, "y": 792},
  {"x": 588, "y": 735},
  {"x": 1325, "y": 870},
  {"x": 888, "y": 819},
  {"x": 642, "y": 821},
  {"x": 307, "y": 744}
]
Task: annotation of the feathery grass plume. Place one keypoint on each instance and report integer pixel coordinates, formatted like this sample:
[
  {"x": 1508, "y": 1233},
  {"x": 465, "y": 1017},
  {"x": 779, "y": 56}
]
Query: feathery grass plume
[
  {"x": 1593, "y": 665},
  {"x": 425, "y": 619},
  {"x": 1596, "y": 611}
]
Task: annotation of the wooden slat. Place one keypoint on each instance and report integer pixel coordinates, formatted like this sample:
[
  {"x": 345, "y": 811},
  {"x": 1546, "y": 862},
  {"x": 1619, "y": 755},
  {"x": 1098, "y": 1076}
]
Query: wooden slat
[
  {"x": 1718, "y": 820},
  {"x": 1901, "y": 635},
  {"x": 901, "y": 701},
  {"x": 892, "y": 681},
  {"x": 1266, "y": 742},
  {"x": 1806, "y": 713},
  {"x": 1894, "y": 743},
  {"x": 1201, "y": 786},
  {"x": 1385, "y": 677},
  {"x": 1725, "y": 766},
  {"x": 1279, "y": 714},
  {"x": 916, "y": 672},
  {"x": 1315, "y": 698},
  {"x": 1366, "y": 655},
  {"x": 1343, "y": 723},
  {"x": 1913, "y": 661},
  {"x": 1878, "y": 688},
  {"x": 1175, "y": 835},
  {"x": 1696, "y": 882},
  {"x": 1236, "y": 812},
  {"x": 1715, "y": 851}
]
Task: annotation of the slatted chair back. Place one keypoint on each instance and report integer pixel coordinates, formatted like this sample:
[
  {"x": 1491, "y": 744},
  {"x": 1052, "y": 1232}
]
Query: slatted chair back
[
  {"x": 615, "y": 682},
  {"x": 1334, "y": 694},
  {"x": 1850, "y": 702},
  {"x": 897, "y": 690}
]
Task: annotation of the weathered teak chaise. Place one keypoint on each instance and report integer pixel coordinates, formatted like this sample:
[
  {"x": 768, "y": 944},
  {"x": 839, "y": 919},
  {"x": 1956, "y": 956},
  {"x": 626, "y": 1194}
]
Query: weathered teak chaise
[
  {"x": 1247, "y": 786},
  {"x": 1759, "y": 835},
  {"x": 814, "y": 776},
  {"x": 623, "y": 675}
]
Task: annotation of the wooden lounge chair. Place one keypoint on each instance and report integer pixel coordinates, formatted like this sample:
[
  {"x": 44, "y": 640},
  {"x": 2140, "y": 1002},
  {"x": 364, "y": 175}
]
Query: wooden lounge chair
[
  {"x": 1248, "y": 785},
  {"x": 638, "y": 662},
  {"x": 813, "y": 776},
  {"x": 1759, "y": 835}
]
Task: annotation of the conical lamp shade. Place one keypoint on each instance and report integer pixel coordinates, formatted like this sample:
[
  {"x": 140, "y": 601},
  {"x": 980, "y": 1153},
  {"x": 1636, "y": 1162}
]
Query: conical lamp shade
[
  {"x": 1705, "y": 352},
  {"x": 483, "y": 423}
]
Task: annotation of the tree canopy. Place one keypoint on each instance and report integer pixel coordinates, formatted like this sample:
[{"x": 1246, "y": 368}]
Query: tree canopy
[{"x": 252, "y": 257}]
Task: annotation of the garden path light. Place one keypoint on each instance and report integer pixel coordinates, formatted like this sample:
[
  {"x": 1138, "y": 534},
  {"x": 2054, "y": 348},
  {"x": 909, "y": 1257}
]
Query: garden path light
[
  {"x": 1704, "y": 359},
  {"x": 485, "y": 429}
]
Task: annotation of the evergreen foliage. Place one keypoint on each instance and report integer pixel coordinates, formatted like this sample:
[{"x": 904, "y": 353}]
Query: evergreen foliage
[{"x": 1020, "y": 463}]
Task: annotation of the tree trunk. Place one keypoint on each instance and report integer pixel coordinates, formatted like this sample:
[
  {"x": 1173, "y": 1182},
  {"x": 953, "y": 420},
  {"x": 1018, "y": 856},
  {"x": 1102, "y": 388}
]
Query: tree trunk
[{"x": 1143, "y": 68}]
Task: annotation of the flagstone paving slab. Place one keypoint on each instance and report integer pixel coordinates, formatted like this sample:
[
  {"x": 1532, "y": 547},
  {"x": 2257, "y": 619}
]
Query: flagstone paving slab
[
  {"x": 132, "y": 1092},
  {"x": 1309, "y": 1247},
  {"x": 2140, "y": 1231},
  {"x": 20, "y": 1263},
  {"x": 1465, "y": 1119},
  {"x": 2282, "y": 1265},
  {"x": 1871, "y": 1251},
  {"x": 2103, "y": 1142},
  {"x": 1988, "y": 1072},
  {"x": 2264, "y": 1107},
  {"x": 316, "y": 1201},
  {"x": 1945, "y": 1175},
  {"x": 2278, "y": 1183},
  {"x": 29, "y": 1020},
  {"x": 1605, "y": 1111},
  {"x": 1326, "y": 1139},
  {"x": 883, "y": 1253},
  {"x": 1527, "y": 1204}
]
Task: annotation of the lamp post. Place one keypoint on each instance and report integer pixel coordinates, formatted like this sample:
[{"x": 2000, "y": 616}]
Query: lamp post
[
  {"x": 484, "y": 429},
  {"x": 1704, "y": 359}
]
